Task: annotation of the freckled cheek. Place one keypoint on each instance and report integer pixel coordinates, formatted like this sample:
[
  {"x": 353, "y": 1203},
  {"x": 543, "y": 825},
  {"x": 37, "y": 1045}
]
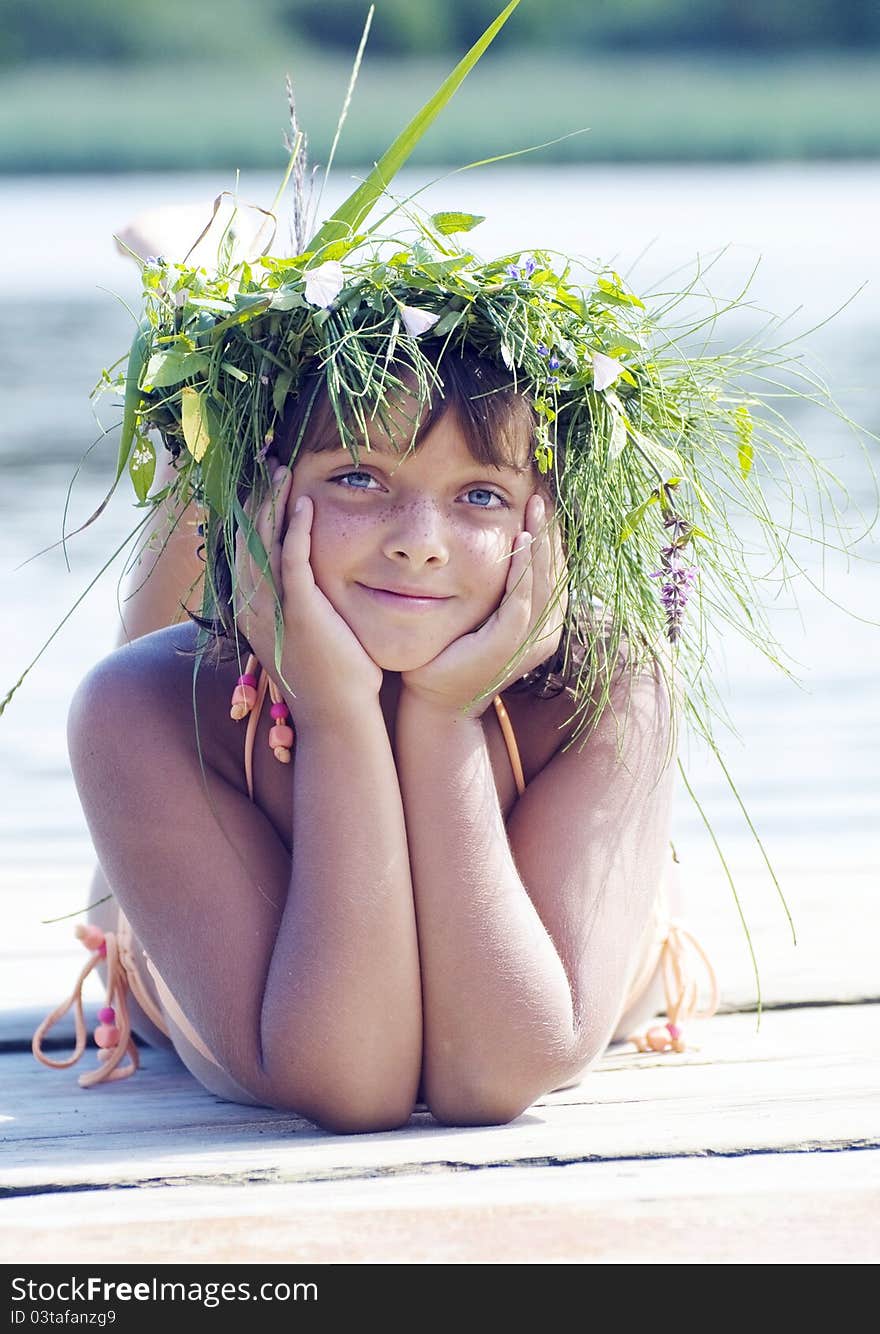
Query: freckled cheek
[{"x": 338, "y": 543}]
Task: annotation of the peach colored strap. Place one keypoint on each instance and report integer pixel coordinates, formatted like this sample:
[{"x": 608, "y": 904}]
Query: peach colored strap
[
  {"x": 680, "y": 957},
  {"x": 679, "y": 982},
  {"x": 177, "y": 1016},
  {"x": 117, "y": 990},
  {"x": 512, "y": 748},
  {"x": 253, "y": 722},
  {"x": 124, "y": 939}
]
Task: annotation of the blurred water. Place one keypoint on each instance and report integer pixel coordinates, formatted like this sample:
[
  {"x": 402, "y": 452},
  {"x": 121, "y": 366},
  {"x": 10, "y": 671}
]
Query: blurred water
[{"x": 807, "y": 764}]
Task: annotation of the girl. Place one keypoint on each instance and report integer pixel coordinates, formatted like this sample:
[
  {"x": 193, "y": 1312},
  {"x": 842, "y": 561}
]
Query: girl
[{"x": 427, "y": 899}]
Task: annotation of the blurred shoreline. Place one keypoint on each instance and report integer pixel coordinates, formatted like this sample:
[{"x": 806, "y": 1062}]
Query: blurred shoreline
[{"x": 674, "y": 107}]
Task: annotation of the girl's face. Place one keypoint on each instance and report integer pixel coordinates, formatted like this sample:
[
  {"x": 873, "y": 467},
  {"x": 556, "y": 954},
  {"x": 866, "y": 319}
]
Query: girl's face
[{"x": 437, "y": 523}]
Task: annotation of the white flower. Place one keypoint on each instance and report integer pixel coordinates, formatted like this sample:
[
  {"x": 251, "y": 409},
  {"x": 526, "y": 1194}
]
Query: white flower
[
  {"x": 324, "y": 283},
  {"x": 605, "y": 370},
  {"x": 507, "y": 356},
  {"x": 417, "y": 321}
]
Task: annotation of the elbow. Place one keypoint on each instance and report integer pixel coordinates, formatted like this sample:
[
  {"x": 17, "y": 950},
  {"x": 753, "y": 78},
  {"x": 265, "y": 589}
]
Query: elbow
[
  {"x": 343, "y": 1107},
  {"x": 484, "y": 1102},
  {"x": 487, "y": 1099}
]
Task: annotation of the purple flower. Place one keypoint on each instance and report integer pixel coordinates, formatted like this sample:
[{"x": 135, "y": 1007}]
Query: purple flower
[
  {"x": 678, "y": 578},
  {"x": 553, "y": 362},
  {"x": 677, "y": 525},
  {"x": 543, "y": 350},
  {"x": 528, "y": 269}
]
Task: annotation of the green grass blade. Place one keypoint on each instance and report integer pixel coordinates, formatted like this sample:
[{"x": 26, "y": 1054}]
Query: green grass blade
[{"x": 352, "y": 212}]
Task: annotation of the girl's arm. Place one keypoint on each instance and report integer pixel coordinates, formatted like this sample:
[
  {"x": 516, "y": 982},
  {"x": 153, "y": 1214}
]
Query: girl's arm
[
  {"x": 527, "y": 935},
  {"x": 169, "y": 572},
  {"x": 343, "y": 992},
  {"x": 300, "y": 973}
]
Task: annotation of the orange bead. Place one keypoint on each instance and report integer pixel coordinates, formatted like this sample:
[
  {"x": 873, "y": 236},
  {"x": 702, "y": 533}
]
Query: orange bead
[
  {"x": 658, "y": 1039},
  {"x": 282, "y": 754},
  {"x": 281, "y": 735},
  {"x": 243, "y": 700},
  {"x": 106, "y": 1035},
  {"x": 91, "y": 936}
]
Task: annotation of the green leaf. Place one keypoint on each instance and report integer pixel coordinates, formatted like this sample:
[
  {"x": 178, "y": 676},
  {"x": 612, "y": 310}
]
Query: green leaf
[
  {"x": 617, "y": 443},
  {"x": 136, "y": 359},
  {"x": 195, "y": 421},
  {"x": 447, "y": 322},
  {"x": 142, "y": 466},
  {"x": 634, "y": 518},
  {"x": 742, "y": 420},
  {"x": 351, "y": 213},
  {"x": 215, "y": 465},
  {"x": 281, "y": 389},
  {"x": 449, "y": 223},
  {"x": 211, "y": 303},
  {"x": 168, "y": 368}
]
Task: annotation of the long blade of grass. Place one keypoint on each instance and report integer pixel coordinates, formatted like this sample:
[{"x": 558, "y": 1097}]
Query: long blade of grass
[
  {"x": 352, "y": 212},
  {"x": 344, "y": 112}
]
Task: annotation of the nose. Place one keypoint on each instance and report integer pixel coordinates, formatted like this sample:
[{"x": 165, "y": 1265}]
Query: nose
[{"x": 417, "y": 534}]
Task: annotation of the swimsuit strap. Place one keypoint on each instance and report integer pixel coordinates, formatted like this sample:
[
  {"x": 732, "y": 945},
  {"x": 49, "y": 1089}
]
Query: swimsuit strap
[
  {"x": 115, "y": 947},
  {"x": 512, "y": 747},
  {"x": 679, "y": 957},
  {"x": 267, "y": 684}
]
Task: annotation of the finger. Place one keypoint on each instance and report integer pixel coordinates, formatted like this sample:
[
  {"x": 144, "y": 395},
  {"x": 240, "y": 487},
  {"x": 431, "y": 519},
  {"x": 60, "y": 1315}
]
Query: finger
[
  {"x": 251, "y": 567},
  {"x": 519, "y": 576},
  {"x": 297, "y": 546}
]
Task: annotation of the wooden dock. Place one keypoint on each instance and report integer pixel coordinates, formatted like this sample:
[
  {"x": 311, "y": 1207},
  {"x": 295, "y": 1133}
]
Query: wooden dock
[{"x": 760, "y": 1146}]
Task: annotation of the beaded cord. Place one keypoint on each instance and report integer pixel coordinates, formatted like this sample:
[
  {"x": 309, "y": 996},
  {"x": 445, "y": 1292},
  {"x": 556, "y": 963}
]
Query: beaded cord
[{"x": 113, "y": 1035}]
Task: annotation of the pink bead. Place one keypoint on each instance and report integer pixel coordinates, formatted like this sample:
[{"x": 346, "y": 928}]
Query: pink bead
[
  {"x": 658, "y": 1039},
  {"x": 106, "y": 1035},
  {"x": 281, "y": 736},
  {"x": 107, "y": 1015},
  {"x": 279, "y": 710},
  {"x": 673, "y": 1030},
  {"x": 248, "y": 679},
  {"x": 91, "y": 936},
  {"x": 102, "y": 949}
]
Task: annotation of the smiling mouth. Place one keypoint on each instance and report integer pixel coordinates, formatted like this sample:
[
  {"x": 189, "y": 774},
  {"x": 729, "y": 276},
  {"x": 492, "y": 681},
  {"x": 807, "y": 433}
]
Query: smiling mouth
[{"x": 402, "y": 600}]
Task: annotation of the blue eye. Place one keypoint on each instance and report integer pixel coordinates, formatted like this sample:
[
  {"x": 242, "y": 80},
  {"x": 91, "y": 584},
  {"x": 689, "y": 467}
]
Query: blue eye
[
  {"x": 356, "y": 473},
  {"x": 484, "y": 491},
  {"x": 342, "y": 480}
]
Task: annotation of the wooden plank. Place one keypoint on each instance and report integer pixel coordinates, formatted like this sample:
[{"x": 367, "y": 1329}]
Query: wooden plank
[
  {"x": 789, "y": 1208},
  {"x": 809, "y": 1080}
]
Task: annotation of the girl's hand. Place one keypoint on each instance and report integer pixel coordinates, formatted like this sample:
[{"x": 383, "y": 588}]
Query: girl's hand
[
  {"x": 468, "y": 665},
  {"x": 325, "y": 669}
]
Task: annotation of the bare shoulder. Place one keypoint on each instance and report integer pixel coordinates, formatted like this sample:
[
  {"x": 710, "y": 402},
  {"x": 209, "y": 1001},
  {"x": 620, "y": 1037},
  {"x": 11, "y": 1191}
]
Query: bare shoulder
[
  {"x": 151, "y": 686},
  {"x": 637, "y": 697}
]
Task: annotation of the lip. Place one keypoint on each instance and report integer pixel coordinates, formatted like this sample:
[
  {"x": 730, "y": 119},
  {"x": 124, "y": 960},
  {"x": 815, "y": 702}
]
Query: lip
[{"x": 403, "y": 600}]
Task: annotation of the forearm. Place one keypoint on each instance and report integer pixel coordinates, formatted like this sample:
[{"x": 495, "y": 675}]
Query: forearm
[
  {"x": 342, "y": 1007},
  {"x": 497, "y": 1004}
]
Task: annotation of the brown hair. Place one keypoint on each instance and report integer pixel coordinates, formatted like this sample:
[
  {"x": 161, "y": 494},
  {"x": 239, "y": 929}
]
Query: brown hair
[{"x": 498, "y": 422}]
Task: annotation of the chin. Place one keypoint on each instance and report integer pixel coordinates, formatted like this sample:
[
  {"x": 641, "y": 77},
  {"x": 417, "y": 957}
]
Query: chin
[{"x": 402, "y": 660}]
